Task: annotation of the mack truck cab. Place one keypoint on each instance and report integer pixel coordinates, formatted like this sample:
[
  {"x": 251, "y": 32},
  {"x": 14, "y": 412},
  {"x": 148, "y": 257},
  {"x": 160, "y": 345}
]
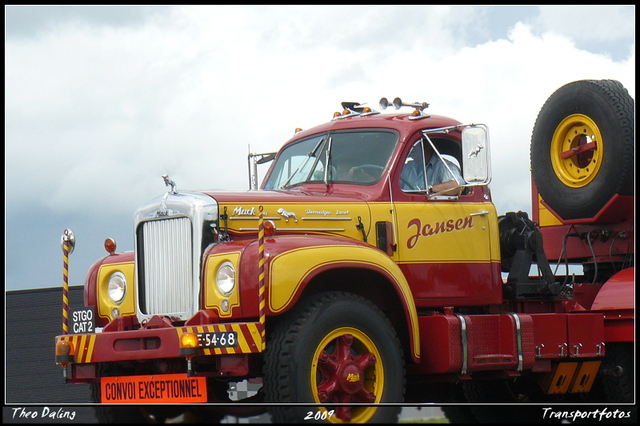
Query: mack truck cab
[{"x": 349, "y": 281}]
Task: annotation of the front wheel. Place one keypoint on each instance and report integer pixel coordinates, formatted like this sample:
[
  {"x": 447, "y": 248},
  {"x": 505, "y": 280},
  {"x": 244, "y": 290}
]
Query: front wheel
[{"x": 333, "y": 349}]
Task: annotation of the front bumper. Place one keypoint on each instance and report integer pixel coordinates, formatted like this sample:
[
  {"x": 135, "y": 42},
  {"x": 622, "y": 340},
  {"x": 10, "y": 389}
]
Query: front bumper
[{"x": 155, "y": 343}]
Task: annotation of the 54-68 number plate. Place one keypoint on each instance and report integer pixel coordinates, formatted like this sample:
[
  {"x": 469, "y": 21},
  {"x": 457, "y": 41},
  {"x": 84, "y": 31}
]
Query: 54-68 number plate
[{"x": 226, "y": 339}]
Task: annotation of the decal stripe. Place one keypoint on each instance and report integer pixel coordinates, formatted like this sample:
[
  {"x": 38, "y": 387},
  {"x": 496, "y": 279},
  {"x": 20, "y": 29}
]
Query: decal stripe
[
  {"x": 74, "y": 342},
  {"x": 65, "y": 288},
  {"x": 81, "y": 349},
  {"x": 92, "y": 341},
  {"x": 243, "y": 343},
  {"x": 261, "y": 301}
]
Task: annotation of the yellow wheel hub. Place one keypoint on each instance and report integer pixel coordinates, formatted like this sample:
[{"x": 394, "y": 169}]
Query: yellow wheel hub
[
  {"x": 576, "y": 150},
  {"x": 347, "y": 368}
]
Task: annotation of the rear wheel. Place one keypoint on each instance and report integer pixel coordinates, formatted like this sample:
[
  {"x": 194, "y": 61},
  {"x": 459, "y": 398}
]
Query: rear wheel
[
  {"x": 106, "y": 413},
  {"x": 582, "y": 147},
  {"x": 335, "y": 348},
  {"x": 513, "y": 396},
  {"x": 618, "y": 380}
]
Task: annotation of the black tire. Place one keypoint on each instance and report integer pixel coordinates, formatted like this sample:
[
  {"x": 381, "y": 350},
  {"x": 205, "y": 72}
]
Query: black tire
[
  {"x": 346, "y": 332},
  {"x": 618, "y": 384},
  {"x": 577, "y": 114},
  {"x": 139, "y": 414},
  {"x": 460, "y": 413},
  {"x": 517, "y": 398},
  {"x": 117, "y": 413}
]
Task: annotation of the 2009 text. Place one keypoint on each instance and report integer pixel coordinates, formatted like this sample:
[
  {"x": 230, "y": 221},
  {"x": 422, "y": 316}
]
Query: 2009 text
[{"x": 319, "y": 415}]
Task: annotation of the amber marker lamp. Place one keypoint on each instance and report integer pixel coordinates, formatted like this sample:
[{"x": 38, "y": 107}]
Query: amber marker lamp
[
  {"x": 65, "y": 354},
  {"x": 189, "y": 348}
]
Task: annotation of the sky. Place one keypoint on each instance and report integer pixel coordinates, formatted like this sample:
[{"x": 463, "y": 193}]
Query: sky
[{"x": 101, "y": 101}]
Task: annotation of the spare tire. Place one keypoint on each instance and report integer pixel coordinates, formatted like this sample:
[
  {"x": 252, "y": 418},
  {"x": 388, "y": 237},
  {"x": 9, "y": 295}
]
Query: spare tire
[{"x": 582, "y": 147}]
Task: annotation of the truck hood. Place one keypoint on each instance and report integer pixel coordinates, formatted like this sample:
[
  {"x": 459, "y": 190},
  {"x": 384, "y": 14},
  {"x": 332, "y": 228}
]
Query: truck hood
[{"x": 297, "y": 211}]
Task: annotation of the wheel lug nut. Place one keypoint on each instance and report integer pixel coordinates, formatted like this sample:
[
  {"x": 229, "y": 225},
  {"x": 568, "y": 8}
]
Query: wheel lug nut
[
  {"x": 372, "y": 360},
  {"x": 322, "y": 395}
]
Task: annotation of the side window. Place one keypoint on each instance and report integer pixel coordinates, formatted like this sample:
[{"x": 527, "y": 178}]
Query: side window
[
  {"x": 413, "y": 177},
  {"x": 444, "y": 166},
  {"x": 433, "y": 165}
]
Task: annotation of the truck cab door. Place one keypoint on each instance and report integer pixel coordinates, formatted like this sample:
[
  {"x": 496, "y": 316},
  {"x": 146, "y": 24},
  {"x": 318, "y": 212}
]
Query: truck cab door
[{"x": 448, "y": 246}]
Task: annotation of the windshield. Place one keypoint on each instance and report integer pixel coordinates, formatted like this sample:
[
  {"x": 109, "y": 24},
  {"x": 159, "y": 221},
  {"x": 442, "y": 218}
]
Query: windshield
[{"x": 353, "y": 157}]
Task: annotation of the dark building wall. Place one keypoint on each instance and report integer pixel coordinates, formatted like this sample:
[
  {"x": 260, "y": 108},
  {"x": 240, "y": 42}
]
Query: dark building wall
[{"x": 33, "y": 319}]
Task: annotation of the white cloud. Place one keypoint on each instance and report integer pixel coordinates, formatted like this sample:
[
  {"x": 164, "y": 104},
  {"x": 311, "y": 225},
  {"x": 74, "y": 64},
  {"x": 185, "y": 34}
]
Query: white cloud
[
  {"x": 95, "y": 115},
  {"x": 589, "y": 23}
]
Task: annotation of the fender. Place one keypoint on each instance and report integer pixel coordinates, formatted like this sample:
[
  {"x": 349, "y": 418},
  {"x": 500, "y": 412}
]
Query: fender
[
  {"x": 95, "y": 286},
  {"x": 616, "y": 301},
  {"x": 293, "y": 261}
]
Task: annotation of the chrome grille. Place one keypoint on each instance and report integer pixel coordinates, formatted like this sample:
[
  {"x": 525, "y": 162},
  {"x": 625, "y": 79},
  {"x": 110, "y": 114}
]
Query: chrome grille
[{"x": 167, "y": 276}]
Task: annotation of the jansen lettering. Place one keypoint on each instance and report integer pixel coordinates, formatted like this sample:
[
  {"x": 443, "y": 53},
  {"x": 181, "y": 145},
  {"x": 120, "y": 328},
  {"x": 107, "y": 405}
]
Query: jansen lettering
[{"x": 436, "y": 228}]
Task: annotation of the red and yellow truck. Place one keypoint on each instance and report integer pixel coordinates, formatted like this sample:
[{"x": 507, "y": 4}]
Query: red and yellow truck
[{"x": 349, "y": 282}]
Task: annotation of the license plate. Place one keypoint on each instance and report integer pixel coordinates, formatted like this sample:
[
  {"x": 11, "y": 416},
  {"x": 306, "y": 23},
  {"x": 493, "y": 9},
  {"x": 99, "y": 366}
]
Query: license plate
[
  {"x": 159, "y": 388},
  {"x": 83, "y": 321},
  {"x": 221, "y": 339}
]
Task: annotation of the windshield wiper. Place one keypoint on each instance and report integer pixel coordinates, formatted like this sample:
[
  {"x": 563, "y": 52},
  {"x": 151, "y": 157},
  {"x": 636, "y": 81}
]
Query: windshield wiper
[
  {"x": 327, "y": 162},
  {"x": 304, "y": 163}
]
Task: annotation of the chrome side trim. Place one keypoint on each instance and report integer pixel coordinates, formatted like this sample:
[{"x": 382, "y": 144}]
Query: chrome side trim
[
  {"x": 299, "y": 229},
  {"x": 465, "y": 344},
  {"x": 254, "y": 218},
  {"x": 327, "y": 218},
  {"x": 516, "y": 318}
]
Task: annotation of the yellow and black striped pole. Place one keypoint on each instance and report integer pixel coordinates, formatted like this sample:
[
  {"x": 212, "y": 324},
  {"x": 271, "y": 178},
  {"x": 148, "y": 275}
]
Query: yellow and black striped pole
[
  {"x": 68, "y": 242},
  {"x": 261, "y": 302}
]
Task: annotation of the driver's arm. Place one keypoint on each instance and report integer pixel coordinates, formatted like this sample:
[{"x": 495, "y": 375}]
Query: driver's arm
[{"x": 451, "y": 188}]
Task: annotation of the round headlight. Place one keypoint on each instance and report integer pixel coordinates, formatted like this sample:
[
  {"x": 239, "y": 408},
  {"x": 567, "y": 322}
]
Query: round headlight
[
  {"x": 226, "y": 278},
  {"x": 117, "y": 287}
]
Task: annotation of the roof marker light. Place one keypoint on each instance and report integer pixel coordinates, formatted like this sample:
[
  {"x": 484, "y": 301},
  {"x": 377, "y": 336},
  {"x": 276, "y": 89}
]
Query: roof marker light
[{"x": 110, "y": 245}]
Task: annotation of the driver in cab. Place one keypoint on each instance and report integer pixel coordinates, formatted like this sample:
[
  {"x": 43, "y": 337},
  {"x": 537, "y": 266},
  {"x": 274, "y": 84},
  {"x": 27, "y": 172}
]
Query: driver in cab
[{"x": 442, "y": 179}]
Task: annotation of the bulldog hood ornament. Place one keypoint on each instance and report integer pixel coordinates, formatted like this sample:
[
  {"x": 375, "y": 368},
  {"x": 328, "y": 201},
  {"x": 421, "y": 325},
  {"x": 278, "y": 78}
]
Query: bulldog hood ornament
[{"x": 169, "y": 182}]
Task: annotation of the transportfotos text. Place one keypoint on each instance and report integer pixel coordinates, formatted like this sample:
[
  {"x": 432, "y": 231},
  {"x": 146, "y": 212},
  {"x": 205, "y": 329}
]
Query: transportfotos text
[{"x": 573, "y": 415}]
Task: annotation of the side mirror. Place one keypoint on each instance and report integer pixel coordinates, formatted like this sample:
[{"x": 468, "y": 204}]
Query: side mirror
[{"x": 475, "y": 154}]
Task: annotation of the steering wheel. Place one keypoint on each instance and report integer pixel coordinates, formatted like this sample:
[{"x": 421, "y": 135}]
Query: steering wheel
[
  {"x": 372, "y": 171},
  {"x": 410, "y": 185}
]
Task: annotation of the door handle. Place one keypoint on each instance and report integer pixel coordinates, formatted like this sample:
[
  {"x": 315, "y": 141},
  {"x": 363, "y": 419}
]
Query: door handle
[{"x": 481, "y": 213}]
